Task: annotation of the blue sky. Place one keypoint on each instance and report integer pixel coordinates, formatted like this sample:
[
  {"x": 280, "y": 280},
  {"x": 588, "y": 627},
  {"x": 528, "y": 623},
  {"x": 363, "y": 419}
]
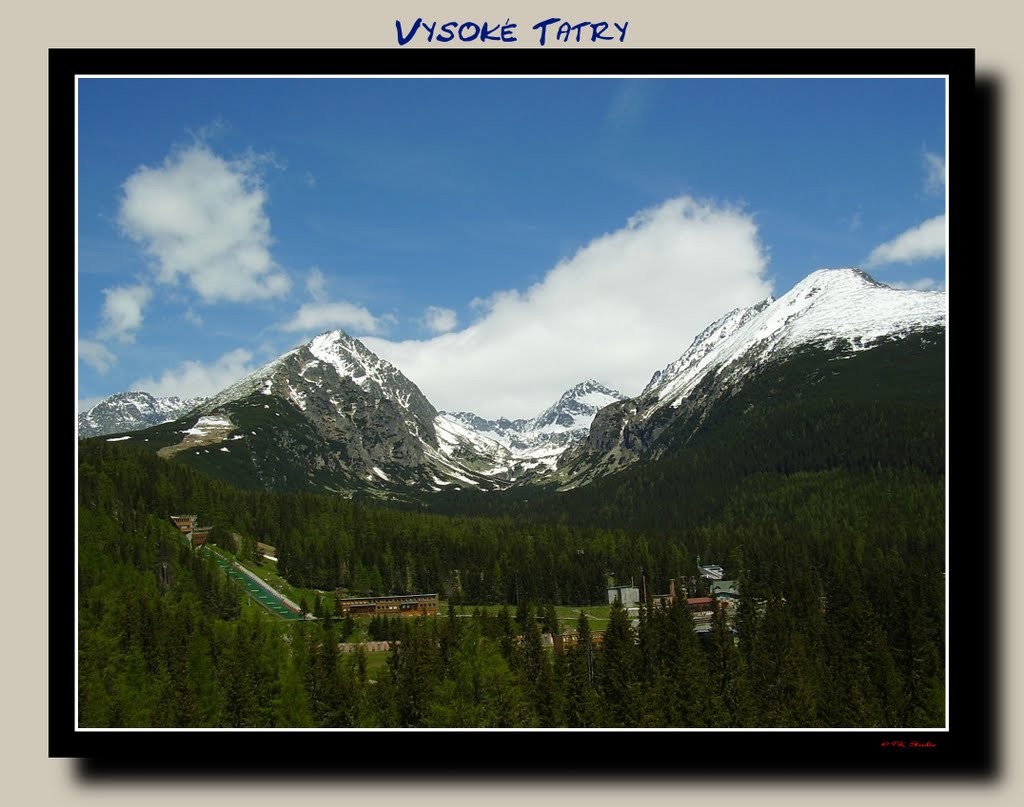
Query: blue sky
[{"x": 497, "y": 239}]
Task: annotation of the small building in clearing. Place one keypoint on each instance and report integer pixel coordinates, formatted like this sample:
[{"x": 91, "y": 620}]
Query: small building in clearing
[
  {"x": 627, "y": 595},
  {"x": 184, "y": 522},
  {"x": 712, "y": 572},
  {"x": 395, "y": 605}
]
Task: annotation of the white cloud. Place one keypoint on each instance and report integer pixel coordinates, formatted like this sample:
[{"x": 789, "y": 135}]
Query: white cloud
[
  {"x": 193, "y": 317},
  {"x": 325, "y": 316},
  {"x": 622, "y": 307},
  {"x": 122, "y": 312},
  {"x": 193, "y": 378},
  {"x": 95, "y": 355},
  {"x": 201, "y": 218},
  {"x": 440, "y": 320},
  {"x": 926, "y": 240},
  {"x": 921, "y": 284},
  {"x": 316, "y": 285},
  {"x": 935, "y": 165}
]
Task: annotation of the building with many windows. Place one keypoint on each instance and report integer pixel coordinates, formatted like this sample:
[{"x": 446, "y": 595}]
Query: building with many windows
[{"x": 395, "y": 605}]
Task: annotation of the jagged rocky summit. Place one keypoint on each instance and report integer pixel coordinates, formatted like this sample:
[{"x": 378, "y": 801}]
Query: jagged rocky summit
[
  {"x": 333, "y": 415},
  {"x": 131, "y": 411}
]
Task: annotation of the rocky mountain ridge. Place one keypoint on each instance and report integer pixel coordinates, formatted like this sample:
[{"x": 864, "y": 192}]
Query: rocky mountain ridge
[
  {"x": 131, "y": 411},
  {"x": 840, "y": 311},
  {"x": 332, "y": 415}
]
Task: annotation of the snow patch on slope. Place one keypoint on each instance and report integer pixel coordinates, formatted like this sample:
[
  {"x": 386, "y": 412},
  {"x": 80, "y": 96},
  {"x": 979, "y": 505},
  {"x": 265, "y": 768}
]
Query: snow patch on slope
[
  {"x": 297, "y": 397},
  {"x": 453, "y": 435},
  {"x": 209, "y": 424}
]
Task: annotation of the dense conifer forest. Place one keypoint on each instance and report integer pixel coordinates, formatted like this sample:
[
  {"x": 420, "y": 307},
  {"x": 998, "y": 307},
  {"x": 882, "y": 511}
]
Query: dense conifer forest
[{"x": 840, "y": 621}]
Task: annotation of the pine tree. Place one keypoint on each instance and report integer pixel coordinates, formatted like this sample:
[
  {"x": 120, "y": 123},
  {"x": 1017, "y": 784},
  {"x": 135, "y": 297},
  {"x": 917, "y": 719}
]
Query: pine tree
[
  {"x": 575, "y": 672},
  {"x": 550, "y": 619},
  {"x": 726, "y": 671},
  {"x": 619, "y": 665}
]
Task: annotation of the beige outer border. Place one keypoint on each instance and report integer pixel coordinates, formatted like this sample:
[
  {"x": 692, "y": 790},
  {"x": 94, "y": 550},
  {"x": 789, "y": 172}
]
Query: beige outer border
[{"x": 29, "y": 778}]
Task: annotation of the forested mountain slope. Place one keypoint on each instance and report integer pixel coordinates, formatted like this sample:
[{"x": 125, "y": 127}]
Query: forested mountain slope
[{"x": 847, "y": 565}]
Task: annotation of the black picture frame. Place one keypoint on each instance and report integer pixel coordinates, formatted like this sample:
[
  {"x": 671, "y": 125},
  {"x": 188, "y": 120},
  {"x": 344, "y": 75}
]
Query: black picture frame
[{"x": 968, "y": 748}]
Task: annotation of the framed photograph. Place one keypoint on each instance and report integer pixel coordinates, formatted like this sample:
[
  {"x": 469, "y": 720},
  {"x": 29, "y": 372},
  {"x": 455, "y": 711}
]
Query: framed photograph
[{"x": 430, "y": 400}]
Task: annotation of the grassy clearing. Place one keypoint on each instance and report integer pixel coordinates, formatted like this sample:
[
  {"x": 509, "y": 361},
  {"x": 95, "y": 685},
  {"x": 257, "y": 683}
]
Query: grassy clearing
[
  {"x": 568, "y": 615},
  {"x": 375, "y": 662}
]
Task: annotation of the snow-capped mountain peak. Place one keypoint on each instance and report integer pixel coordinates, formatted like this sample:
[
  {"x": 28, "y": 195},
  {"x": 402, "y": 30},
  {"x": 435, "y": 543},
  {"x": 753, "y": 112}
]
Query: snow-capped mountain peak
[
  {"x": 330, "y": 359},
  {"x": 359, "y": 418},
  {"x": 352, "y": 359},
  {"x": 836, "y": 313},
  {"x": 131, "y": 411},
  {"x": 827, "y": 306},
  {"x": 574, "y": 411},
  {"x": 522, "y": 446},
  {"x": 703, "y": 347}
]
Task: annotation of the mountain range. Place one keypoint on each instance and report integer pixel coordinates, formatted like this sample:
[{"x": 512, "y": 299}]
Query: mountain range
[
  {"x": 131, "y": 411},
  {"x": 330, "y": 415},
  {"x": 837, "y": 314}
]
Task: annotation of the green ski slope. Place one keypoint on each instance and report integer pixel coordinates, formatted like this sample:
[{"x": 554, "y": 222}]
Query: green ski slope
[{"x": 261, "y": 594}]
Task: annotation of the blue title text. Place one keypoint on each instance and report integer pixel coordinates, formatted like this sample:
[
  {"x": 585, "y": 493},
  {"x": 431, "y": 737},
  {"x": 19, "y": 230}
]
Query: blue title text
[{"x": 553, "y": 29}]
